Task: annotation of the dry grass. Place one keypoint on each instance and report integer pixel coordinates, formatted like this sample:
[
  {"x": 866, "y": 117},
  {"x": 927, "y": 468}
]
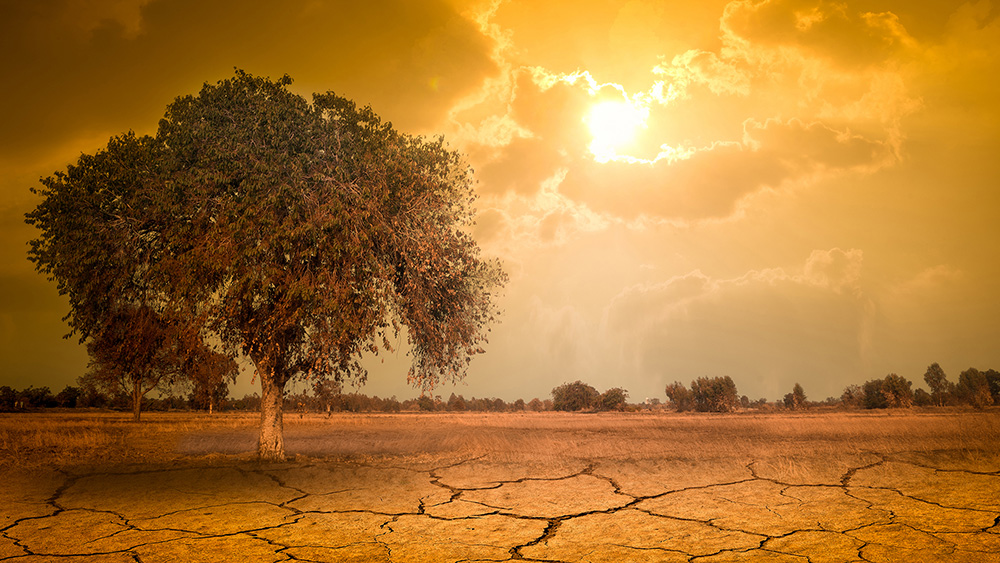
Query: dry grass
[{"x": 76, "y": 439}]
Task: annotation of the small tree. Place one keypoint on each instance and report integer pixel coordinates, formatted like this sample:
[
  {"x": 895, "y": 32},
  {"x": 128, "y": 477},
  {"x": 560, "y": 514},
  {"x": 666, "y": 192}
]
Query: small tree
[
  {"x": 993, "y": 380},
  {"x": 853, "y": 397},
  {"x": 456, "y": 403},
  {"x": 937, "y": 381},
  {"x": 209, "y": 373},
  {"x": 714, "y": 394},
  {"x": 922, "y": 398},
  {"x": 8, "y": 396},
  {"x": 138, "y": 350},
  {"x": 897, "y": 391},
  {"x": 326, "y": 392},
  {"x": 614, "y": 399},
  {"x": 68, "y": 397},
  {"x": 574, "y": 397},
  {"x": 681, "y": 399},
  {"x": 796, "y": 399},
  {"x": 872, "y": 396}
]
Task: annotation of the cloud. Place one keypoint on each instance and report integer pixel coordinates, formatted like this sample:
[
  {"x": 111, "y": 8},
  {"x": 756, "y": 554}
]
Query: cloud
[
  {"x": 696, "y": 67},
  {"x": 768, "y": 328},
  {"x": 780, "y": 106},
  {"x": 834, "y": 269},
  {"x": 832, "y": 31},
  {"x": 715, "y": 181},
  {"x": 410, "y": 61}
]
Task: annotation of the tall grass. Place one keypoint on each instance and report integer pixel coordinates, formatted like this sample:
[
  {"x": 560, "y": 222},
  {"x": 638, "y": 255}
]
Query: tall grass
[{"x": 60, "y": 439}]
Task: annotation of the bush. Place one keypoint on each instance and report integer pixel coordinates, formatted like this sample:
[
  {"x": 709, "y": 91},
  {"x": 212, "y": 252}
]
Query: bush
[
  {"x": 974, "y": 388},
  {"x": 614, "y": 399},
  {"x": 714, "y": 394},
  {"x": 680, "y": 397},
  {"x": 574, "y": 397},
  {"x": 893, "y": 391},
  {"x": 796, "y": 399},
  {"x": 853, "y": 397},
  {"x": 922, "y": 398}
]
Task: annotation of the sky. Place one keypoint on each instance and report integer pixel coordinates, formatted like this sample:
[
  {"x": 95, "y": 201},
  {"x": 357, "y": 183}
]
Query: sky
[{"x": 778, "y": 191}]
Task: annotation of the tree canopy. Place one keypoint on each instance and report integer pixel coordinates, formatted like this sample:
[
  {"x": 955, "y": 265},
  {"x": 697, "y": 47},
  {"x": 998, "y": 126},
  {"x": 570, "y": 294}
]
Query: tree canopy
[{"x": 301, "y": 235}]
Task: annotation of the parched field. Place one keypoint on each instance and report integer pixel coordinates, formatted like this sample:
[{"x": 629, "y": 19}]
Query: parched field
[{"x": 831, "y": 487}]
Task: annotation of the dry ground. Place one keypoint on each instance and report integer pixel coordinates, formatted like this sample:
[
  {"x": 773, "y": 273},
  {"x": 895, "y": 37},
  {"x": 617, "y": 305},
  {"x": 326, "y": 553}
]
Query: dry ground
[{"x": 834, "y": 487}]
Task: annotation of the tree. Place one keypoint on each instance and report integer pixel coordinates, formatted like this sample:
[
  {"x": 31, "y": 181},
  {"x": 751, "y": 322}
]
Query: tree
[
  {"x": 937, "y": 381},
  {"x": 35, "y": 397},
  {"x": 456, "y": 402},
  {"x": 680, "y": 397},
  {"x": 68, "y": 397},
  {"x": 301, "y": 234},
  {"x": 853, "y": 397},
  {"x": 897, "y": 391},
  {"x": 209, "y": 374},
  {"x": 993, "y": 380},
  {"x": 974, "y": 388},
  {"x": 893, "y": 391},
  {"x": 796, "y": 399},
  {"x": 574, "y": 397},
  {"x": 922, "y": 398},
  {"x": 136, "y": 351},
  {"x": 714, "y": 394},
  {"x": 8, "y": 396},
  {"x": 613, "y": 399},
  {"x": 326, "y": 391}
]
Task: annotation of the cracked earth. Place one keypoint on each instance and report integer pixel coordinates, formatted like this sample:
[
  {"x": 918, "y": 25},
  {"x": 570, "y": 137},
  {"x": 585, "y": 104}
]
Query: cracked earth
[{"x": 502, "y": 506}]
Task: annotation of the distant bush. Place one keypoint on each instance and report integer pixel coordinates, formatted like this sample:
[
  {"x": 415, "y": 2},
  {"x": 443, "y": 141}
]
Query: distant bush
[
  {"x": 974, "y": 388},
  {"x": 796, "y": 399},
  {"x": 893, "y": 391},
  {"x": 574, "y": 397},
  {"x": 714, "y": 394},
  {"x": 680, "y": 397},
  {"x": 613, "y": 399}
]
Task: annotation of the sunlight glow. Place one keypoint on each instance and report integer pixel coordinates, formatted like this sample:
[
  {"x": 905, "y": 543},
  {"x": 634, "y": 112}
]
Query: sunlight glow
[{"x": 614, "y": 126}]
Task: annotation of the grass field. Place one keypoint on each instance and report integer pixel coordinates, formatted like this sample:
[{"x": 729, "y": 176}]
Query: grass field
[{"x": 67, "y": 439}]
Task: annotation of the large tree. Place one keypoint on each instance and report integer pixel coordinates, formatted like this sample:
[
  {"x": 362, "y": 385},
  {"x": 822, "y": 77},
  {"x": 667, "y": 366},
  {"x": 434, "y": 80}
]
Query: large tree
[{"x": 301, "y": 234}]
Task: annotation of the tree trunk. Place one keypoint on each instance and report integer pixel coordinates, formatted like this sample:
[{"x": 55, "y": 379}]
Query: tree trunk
[
  {"x": 272, "y": 442},
  {"x": 136, "y": 400}
]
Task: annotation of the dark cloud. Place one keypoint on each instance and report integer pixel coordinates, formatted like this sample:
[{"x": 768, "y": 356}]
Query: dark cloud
[{"x": 409, "y": 60}]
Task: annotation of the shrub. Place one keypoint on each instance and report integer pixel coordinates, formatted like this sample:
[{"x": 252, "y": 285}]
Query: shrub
[
  {"x": 574, "y": 397},
  {"x": 614, "y": 399},
  {"x": 680, "y": 397},
  {"x": 974, "y": 388},
  {"x": 714, "y": 394}
]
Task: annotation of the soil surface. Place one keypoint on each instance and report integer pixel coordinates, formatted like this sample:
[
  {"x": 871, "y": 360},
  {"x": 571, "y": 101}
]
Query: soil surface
[{"x": 848, "y": 507}]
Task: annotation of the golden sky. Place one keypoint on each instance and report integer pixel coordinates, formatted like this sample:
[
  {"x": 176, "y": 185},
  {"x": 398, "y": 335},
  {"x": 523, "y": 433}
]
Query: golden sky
[{"x": 777, "y": 191}]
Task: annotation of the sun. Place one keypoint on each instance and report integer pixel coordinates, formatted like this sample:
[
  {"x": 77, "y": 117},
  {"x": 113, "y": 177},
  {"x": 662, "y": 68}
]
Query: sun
[{"x": 613, "y": 126}]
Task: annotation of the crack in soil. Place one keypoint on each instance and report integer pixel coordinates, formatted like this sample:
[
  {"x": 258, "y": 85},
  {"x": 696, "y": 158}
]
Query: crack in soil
[{"x": 865, "y": 537}]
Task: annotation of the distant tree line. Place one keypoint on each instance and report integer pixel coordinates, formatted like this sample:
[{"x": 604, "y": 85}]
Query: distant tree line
[
  {"x": 978, "y": 389},
  {"x": 975, "y": 388}
]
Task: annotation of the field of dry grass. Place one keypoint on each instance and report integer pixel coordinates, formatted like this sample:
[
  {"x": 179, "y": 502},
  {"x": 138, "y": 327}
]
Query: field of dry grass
[{"x": 68, "y": 439}]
